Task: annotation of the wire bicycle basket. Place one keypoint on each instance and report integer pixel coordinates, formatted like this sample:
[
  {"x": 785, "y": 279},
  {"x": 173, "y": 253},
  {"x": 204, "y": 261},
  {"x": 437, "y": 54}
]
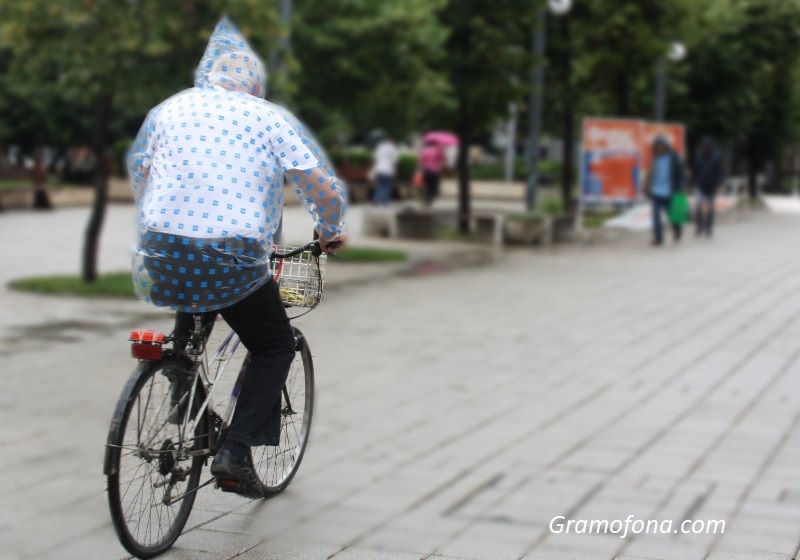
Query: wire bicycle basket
[{"x": 299, "y": 277}]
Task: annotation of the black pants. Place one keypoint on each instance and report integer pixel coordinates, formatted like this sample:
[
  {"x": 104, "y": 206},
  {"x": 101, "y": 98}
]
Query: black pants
[
  {"x": 262, "y": 325},
  {"x": 704, "y": 217},
  {"x": 660, "y": 208},
  {"x": 431, "y": 186}
]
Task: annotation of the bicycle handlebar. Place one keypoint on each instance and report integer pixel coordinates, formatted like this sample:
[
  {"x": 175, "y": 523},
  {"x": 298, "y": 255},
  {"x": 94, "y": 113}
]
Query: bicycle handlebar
[{"x": 312, "y": 246}]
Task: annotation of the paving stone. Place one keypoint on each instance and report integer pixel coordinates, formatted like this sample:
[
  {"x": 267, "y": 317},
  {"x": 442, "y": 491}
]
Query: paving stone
[
  {"x": 457, "y": 413},
  {"x": 358, "y": 553}
]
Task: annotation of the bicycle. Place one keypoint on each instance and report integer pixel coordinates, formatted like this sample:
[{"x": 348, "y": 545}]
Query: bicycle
[{"x": 166, "y": 426}]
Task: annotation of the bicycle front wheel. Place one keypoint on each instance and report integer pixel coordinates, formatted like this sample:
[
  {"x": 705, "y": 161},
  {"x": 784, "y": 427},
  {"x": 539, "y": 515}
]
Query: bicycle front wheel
[
  {"x": 151, "y": 467},
  {"x": 276, "y": 466}
]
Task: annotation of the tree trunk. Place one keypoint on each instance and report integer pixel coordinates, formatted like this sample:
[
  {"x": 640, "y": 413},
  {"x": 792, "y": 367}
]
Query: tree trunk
[
  {"x": 463, "y": 165},
  {"x": 569, "y": 120},
  {"x": 622, "y": 95},
  {"x": 95, "y": 225},
  {"x": 752, "y": 185},
  {"x": 41, "y": 200},
  {"x": 623, "y": 90}
]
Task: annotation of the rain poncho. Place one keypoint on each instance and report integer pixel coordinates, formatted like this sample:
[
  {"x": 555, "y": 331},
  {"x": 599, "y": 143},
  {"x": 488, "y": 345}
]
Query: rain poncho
[{"x": 207, "y": 169}]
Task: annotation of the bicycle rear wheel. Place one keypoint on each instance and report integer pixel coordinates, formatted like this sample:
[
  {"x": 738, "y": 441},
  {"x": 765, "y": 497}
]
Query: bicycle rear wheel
[
  {"x": 152, "y": 477},
  {"x": 276, "y": 466}
]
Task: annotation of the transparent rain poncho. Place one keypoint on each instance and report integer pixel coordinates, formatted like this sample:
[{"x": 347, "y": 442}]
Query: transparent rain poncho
[{"x": 207, "y": 169}]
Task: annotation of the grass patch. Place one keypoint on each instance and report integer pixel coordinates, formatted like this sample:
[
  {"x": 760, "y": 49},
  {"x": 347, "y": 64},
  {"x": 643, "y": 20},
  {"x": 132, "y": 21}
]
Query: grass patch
[
  {"x": 369, "y": 255},
  {"x": 451, "y": 234},
  {"x": 24, "y": 183},
  {"x": 120, "y": 285},
  {"x": 597, "y": 218},
  {"x": 115, "y": 284},
  {"x": 16, "y": 184}
]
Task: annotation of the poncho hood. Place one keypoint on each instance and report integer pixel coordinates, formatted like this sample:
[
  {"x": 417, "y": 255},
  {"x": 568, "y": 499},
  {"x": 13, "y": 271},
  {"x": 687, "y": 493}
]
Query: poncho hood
[{"x": 229, "y": 62}]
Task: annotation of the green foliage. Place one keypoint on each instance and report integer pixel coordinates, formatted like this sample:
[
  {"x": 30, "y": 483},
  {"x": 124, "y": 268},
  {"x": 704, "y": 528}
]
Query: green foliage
[
  {"x": 488, "y": 59},
  {"x": 406, "y": 166},
  {"x": 530, "y": 217},
  {"x": 117, "y": 284},
  {"x": 551, "y": 205},
  {"x": 496, "y": 171},
  {"x": 617, "y": 44},
  {"x": 356, "y": 157},
  {"x": 410, "y": 65},
  {"x": 369, "y": 255},
  {"x": 63, "y": 56},
  {"x": 741, "y": 75},
  {"x": 596, "y": 218},
  {"x": 365, "y": 64}
]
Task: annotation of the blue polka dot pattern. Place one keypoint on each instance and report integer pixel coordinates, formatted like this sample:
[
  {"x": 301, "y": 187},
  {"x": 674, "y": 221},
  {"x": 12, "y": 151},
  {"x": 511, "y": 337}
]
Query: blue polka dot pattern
[{"x": 207, "y": 170}]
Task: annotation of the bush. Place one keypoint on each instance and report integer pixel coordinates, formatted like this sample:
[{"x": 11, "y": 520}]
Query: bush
[
  {"x": 496, "y": 171},
  {"x": 353, "y": 157},
  {"x": 406, "y": 166},
  {"x": 551, "y": 205}
]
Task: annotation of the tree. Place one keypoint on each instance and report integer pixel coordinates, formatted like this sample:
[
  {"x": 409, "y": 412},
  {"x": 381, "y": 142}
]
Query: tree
[
  {"x": 742, "y": 77},
  {"x": 363, "y": 64},
  {"x": 620, "y": 43},
  {"x": 486, "y": 59},
  {"x": 105, "y": 58}
]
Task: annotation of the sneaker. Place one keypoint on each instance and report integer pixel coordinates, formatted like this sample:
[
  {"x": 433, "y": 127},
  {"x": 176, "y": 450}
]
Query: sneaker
[{"x": 236, "y": 475}]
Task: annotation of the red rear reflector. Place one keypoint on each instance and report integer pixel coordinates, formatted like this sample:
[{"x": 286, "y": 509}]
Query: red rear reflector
[
  {"x": 146, "y": 351},
  {"x": 142, "y": 335},
  {"x": 146, "y": 344}
]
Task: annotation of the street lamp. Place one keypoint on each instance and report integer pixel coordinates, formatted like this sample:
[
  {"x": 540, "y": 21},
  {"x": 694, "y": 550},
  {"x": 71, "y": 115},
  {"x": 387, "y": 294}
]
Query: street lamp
[
  {"x": 676, "y": 53},
  {"x": 277, "y": 65},
  {"x": 558, "y": 8}
]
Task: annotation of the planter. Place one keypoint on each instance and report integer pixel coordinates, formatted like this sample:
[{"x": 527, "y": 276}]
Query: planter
[
  {"x": 526, "y": 229},
  {"x": 412, "y": 224},
  {"x": 563, "y": 227}
]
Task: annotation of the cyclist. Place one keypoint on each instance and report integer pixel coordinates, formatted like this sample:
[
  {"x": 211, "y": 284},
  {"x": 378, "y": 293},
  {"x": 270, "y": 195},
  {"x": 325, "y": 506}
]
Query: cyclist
[{"x": 207, "y": 169}]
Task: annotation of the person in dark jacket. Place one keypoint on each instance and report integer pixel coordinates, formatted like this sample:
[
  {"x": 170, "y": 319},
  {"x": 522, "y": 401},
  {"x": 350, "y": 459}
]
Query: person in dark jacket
[
  {"x": 707, "y": 177},
  {"x": 664, "y": 180}
]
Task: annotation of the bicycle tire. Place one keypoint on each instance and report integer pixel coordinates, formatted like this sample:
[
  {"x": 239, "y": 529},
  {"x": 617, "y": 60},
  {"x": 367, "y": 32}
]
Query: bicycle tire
[
  {"x": 147, "y": 536},
  {"x": 276, "y": 466}
]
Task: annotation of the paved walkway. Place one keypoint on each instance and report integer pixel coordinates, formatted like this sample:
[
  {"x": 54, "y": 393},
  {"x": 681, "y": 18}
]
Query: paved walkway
[{"x": 458, "y": 413}]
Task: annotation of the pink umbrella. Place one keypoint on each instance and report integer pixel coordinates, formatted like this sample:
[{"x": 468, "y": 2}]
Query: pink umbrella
[{"x": 441, "y": 137}]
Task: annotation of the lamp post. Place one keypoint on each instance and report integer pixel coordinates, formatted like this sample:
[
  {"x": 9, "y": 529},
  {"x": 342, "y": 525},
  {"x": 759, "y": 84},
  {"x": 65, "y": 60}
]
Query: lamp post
[
  {"x": 277, "y": 65},
  {"x": 538, "y": 39},
  {"x": 676, "y": 53}
]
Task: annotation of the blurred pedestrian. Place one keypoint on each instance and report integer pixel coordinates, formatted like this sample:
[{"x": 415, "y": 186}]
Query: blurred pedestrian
[
  {"x": 432, "y": 160},
  {"x": 707, "y": 178},
  {"x": 665, "y": 182},
  {"x": 385, "y": 169}
]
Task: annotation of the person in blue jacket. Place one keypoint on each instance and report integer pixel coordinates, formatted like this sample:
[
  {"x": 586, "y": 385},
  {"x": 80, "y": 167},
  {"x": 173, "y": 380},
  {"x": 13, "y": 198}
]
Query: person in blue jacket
[{"x": 664, "y": 180}]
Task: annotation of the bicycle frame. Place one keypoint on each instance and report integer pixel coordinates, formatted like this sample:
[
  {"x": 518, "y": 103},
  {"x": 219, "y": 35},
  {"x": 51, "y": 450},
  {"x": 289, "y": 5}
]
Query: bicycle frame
[
  {"x": 200, "y": 374},
  {"x": 203, "y": 365}
]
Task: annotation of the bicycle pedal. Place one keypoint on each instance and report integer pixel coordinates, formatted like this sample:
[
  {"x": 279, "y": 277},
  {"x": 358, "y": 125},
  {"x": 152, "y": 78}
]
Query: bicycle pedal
[
  {"x": 236, "y": 487},
  {"x": 229, "y": 485}
]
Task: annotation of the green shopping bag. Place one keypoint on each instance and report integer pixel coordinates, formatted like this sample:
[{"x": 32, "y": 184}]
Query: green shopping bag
[{"x": 679, "y": 208}]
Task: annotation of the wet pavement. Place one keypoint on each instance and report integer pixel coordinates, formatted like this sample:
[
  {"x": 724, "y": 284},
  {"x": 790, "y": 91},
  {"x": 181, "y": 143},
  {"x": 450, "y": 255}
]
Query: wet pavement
[{"x": 460, "y": 409}]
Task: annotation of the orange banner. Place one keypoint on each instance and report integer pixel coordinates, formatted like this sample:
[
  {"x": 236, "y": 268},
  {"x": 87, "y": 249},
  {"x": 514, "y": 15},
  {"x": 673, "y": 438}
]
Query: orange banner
[
  {"x": 611, "y": 159},
  {"x": 616, "y": 155}
]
